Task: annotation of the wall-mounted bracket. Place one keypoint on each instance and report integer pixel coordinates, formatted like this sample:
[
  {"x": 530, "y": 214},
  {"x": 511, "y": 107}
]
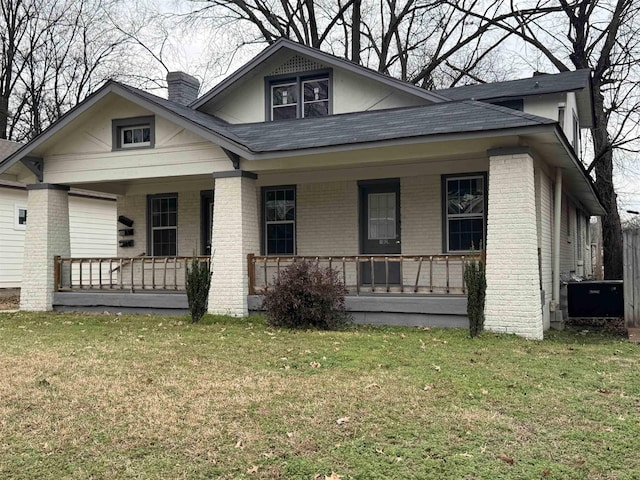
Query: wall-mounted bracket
[
  {"x": 234, "y": 157},
  {"x": 36, "y": 165}
]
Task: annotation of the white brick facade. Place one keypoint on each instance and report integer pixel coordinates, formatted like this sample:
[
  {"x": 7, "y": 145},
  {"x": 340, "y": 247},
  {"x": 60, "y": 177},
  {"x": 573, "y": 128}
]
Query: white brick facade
[
  {"x": 47, "y": 235},
  {"x": 513, "y": 283},
  {"x": 544, "y": 212},
  {"x": 236, "y": 234}
]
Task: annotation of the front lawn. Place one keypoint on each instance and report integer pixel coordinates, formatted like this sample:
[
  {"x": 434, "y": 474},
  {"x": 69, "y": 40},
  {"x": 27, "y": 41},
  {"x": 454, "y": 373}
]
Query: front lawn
[{"x": 106, "y": 396}]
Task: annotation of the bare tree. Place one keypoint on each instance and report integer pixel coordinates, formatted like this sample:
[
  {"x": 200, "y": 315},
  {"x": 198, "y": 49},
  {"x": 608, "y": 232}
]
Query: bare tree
[
  {"x": 603, "y": 35},
  {"x": 426, "y": 42},
  {"x": 55, "y": 52}
]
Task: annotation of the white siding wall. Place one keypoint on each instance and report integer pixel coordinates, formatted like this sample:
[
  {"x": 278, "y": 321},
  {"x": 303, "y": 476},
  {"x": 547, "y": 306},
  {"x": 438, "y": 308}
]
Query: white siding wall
[
  {"x": 351, "y": 93},
  {"x": 11, "y": 238},
  {"x": 547, "y": 106},
  {"x": 92, "y": 228},
  {"x": 86, "y": 153}
]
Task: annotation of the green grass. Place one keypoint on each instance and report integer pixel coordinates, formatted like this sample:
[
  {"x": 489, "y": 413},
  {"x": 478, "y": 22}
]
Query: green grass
[{"x": 105, "y": 396}]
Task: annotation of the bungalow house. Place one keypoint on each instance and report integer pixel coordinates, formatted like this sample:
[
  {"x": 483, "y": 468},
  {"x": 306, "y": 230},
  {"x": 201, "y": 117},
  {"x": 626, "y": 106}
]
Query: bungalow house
[
  {"x": 92, "y": 224},
  {"x": 302, "y": 154}
]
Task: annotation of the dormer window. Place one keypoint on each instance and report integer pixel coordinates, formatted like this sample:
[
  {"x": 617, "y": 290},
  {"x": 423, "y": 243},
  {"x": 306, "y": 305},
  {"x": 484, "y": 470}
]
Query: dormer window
[
  {"x": 135, "y": 132},
  {"x": 299, "y": 97}
]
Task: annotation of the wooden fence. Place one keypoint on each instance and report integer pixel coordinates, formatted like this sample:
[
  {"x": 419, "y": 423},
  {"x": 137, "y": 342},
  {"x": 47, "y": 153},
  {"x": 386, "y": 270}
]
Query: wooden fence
[{"x": 631, "y": 242}]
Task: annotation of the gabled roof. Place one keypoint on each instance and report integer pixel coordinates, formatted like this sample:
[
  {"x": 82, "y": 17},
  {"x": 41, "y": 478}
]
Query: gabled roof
[
  {"x": 536, "y": 85},
  {"x": 578, "y": 81},
  {"x": 320, "y": 56},
  {"x": 382, "y": 125}
]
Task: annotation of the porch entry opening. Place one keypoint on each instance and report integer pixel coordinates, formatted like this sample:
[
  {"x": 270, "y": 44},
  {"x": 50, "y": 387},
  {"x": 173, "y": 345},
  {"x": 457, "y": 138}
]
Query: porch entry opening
[
  {"x": 206, "y": 221},
  {"x": 380, "y": 230}
]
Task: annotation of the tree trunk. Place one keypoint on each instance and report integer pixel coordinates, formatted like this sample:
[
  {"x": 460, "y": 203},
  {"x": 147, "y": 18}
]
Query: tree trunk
[
  {"x": 4, "y": 116},
  {"x": 355, "y": 32},
  {"x": 611, "y": 228}
]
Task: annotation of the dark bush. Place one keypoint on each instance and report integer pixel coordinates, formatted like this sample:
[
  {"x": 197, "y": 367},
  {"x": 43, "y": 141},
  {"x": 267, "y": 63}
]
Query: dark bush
[
  {"x": 198, "y": 283},
  {"x": 306, "y": 296},
  {"x": 476, "y": 282}
]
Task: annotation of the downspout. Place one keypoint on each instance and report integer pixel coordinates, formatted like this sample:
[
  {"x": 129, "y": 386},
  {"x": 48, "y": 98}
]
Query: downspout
[{"x": 557, "y": 225}]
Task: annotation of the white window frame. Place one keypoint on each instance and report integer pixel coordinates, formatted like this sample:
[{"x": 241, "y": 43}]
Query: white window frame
[
  {"x": 152, "y": 229},
  {"x": 458, "y": 216},
  {"x": 16, "y": 220},
  {"x": 134, "y": 144},
  {"x": 279, "y": 222},
  {"x": 299, "y": 82}
]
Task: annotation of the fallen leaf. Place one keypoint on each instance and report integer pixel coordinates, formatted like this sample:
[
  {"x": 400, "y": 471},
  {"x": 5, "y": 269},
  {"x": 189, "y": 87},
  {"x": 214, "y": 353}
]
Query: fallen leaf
[
  {"x": 436, "y": 368},
  {"x": 485, "y": 391},
  {"x": 373, "y": 385},
  {"x": 379, "y": 451},
  {"x": 546, "y": 473},
  {"x": 253, "y": 469},
  {"x": 431, "y": 386},
  {"x": 290, "y": 434},
  {"x": 468, "y": 455},
  {"x": 317, "y": 476},
  {"x": 334, "y": 476},
  {"x": 579, "y": 463},
  {"x": 239, "y": 444},
  {"x": 315, "y": 365},
  {"x": 402, "y": 335},
  {"x": 604, "y": 391},
  {"x": 342, "y": 420},
  {"x": 506, "y": 459}
]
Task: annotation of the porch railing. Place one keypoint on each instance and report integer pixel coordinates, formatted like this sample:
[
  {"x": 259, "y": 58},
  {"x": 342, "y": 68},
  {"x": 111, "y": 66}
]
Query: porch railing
[
  {"x": 433, "y": 274},
  {"x": 128, "y": 274}
]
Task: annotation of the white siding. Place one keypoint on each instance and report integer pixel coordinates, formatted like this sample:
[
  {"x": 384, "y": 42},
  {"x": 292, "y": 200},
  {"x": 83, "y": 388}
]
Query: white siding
[
  {"x": 11, "y": 238},
  {"x": 92, "y": 227}
]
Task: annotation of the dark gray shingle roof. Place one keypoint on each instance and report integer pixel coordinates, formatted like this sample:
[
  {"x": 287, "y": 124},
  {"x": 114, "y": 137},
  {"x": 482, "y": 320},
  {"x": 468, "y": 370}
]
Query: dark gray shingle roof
[
  {"x": 380, "y": 125},
  {"x": 536, "y": 85}
]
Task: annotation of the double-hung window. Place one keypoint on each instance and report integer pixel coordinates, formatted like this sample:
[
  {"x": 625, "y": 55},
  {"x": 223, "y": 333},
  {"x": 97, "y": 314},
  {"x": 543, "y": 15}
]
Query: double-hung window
[
  {"x": 299, "y": 97},
  {"x": 279, "y": 212},
  {"x": 163, "y": 225},
  {"x": 464, "y": 199}
]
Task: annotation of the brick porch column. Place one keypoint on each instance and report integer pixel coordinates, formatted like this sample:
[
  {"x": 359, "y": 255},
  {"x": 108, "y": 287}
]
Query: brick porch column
[
  {"x": 513, "y": 302},
  {"x": 235, "y": 234},
  {"x": 47, "y": 235}
]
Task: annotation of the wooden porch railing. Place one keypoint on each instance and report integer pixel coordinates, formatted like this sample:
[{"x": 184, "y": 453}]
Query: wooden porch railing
[
  {"x": 442, "y": 274},
  {"x": 117, "y": 273}
]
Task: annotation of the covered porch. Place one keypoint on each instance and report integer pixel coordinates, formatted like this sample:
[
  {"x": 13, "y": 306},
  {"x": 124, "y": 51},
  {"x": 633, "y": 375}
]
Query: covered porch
[{"x": 429, "y": 289}]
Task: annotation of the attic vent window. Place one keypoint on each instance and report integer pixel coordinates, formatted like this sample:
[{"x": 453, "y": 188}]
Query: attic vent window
[
  {"x": 129, "y": 133},
  {"x": 299, "y": 97}
]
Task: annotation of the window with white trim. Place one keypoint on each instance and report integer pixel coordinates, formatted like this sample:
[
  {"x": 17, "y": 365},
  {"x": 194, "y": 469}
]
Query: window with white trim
[
  {"x": 135, "y": 132},
  {"x": 163, "y": 225},
  {"x": 279, "y": 204},
  {"x": 20, "y": 219},
  {"x": 464, "y": 212},
  {"x": 299, "y": 97}
]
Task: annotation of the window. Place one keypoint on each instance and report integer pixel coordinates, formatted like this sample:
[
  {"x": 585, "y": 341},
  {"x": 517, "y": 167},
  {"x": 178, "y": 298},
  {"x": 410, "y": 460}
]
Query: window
[
  {"x": 576, "y": 135},
  {"x": 20, "y": 221},
  {"x": 163, "y": 225},
  {"x": 382, "y": 216},
  {"x": 561, "y": 116},
  {"x": 299, "y": 97},
  {"x": 279, "y": 204},
  {"x": 137, "y": 132},
  {"x": 464, "y": 215}
]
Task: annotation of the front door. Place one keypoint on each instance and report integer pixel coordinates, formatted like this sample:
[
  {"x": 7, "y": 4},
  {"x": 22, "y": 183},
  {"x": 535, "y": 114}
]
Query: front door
[
  {"x": 380, "y": 230},
  {"x": 206, "y": 221}
]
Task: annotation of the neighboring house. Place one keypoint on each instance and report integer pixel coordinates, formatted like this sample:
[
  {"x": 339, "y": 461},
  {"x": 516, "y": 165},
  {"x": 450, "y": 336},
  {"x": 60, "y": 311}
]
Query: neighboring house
[
  {"x": 92, "y": 224},
  {"x": 302, "y": 154}
]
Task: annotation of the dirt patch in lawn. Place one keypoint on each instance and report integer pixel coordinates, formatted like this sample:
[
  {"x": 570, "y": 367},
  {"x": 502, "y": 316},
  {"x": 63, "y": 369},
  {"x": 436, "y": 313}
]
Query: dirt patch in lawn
[{"x": 9, "y": 299}]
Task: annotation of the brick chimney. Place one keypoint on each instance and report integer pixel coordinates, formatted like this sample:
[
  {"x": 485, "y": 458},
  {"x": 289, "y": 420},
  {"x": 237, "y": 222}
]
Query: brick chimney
[{"x": 183, "y": 88}]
